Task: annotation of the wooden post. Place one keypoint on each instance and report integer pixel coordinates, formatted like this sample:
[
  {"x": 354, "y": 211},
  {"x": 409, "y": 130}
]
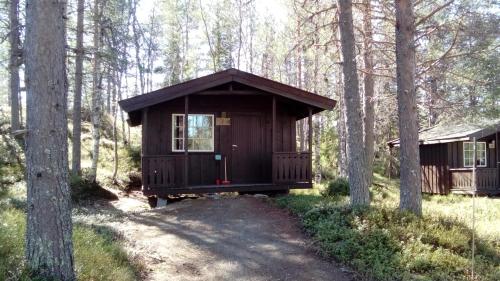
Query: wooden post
[
  {"x": 144, "y": 147},
  {"x": 310, "y": 143},
  {"x": 474, "y": 165},
  {"x": 185, "y": 141},
  {"x": 273, "y": 140}
]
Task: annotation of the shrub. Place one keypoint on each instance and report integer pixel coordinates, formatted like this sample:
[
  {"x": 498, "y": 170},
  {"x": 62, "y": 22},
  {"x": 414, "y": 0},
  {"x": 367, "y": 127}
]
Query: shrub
[
  {"x": 337, "y": 187},
  {"x": 82, "y": 188},
  {"x": 382, "y": 243}
]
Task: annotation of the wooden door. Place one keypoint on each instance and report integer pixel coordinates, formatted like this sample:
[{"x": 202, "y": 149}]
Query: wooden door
[{"x": 247, "y": 148}]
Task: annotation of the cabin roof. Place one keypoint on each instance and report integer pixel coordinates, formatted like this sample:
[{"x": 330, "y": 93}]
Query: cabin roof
[
  {"x": 457, "y": 131},
  {"x": 223, "y": 77}
]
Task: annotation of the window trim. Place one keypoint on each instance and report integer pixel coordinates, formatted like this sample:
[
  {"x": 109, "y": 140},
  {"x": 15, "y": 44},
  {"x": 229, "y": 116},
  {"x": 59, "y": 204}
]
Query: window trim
[
  {"x": 485, "y": 154},
  {"x": 172, "y": 139}
]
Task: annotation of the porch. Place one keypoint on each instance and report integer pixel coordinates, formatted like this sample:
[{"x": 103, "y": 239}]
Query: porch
[
  {"x": 487, "y": 181},
  {"x": 165, "y": 174}
]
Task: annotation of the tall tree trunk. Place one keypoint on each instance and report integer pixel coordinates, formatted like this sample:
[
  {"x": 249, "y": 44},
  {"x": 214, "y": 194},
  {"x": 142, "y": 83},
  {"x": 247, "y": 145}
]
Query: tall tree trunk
[
  {"x": 14, "y": 62},
  {"x": 341, "y": 130},
  {"x": 77, "y": 101},
  {"x": 49, "y": 249},
  {"x": 410, "y": 195},
  {"x": 369, "y": 85},
  {"x": 96, "y": 92},
  {"x": 116, "y": 90},
  {"x": 357, "y": 161}
]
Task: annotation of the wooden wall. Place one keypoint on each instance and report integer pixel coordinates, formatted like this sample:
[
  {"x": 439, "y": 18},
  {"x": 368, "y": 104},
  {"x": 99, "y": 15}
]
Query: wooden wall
[
  {"x": 203, "y": 168},
  {"x": 437, "y": 160},
  {"x": 434, "y": 167}
]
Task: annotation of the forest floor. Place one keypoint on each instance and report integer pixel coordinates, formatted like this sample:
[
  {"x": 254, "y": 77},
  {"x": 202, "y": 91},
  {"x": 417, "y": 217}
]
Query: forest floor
[{"x": 213, "y": 238}]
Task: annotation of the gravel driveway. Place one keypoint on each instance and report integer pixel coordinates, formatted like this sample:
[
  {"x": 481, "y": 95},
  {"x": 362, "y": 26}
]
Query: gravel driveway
[{"x": 230, "y": 238}]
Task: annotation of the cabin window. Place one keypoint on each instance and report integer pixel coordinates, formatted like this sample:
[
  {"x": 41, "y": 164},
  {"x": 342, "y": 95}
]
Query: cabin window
[
  {"x": 469, "y": 154},
  {"x": 200, "y": 132}
]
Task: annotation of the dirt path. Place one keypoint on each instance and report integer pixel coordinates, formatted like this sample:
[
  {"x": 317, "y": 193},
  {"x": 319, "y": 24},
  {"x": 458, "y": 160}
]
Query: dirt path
[{"x": 231, "y": 238}]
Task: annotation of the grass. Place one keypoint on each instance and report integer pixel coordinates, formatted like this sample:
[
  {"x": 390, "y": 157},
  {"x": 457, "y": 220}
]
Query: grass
[
  {"x": 98, "y": 252},
  {"x": 382, "y": 243}
]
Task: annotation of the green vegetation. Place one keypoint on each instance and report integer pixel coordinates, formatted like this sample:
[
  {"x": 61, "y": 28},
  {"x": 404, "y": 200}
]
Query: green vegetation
[
  {"x": 382, "y": 243},
  {"x": 337, "y": 187},
  {"x": 98, "y": 253}
]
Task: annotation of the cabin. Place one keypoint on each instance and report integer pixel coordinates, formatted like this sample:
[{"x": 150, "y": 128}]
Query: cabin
[
  {"x": 230, "y": 131},
  {"x": 447, "y": 160}
]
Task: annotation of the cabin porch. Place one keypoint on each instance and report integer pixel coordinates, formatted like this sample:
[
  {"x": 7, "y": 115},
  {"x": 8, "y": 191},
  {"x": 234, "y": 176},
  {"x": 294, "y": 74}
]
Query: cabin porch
[
  {"x": 164, "y": 174},
  {"x": 487, "y": 181}
]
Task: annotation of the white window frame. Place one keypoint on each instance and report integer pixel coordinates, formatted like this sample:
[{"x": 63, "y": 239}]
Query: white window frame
[
  {"x": 485, "y": 153},
  {"x": 186, "y": 129}
]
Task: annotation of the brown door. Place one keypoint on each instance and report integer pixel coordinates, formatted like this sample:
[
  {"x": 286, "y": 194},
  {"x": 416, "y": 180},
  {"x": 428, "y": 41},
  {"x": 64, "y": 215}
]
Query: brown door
[{"x": 247, "y": 148}]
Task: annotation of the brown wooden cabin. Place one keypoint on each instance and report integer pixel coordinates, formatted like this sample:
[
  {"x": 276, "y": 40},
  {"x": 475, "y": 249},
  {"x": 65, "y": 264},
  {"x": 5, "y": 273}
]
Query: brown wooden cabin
[
  {"x": 234, "y": 117},
  {"x": 447, "y": 158}
]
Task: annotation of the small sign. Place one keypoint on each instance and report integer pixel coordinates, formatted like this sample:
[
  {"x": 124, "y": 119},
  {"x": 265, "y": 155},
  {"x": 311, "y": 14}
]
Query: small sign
[
  {"x": 222, "y": 121},
  {"x": 492, "y": 145},
  {"x": 218, "y": 157}
]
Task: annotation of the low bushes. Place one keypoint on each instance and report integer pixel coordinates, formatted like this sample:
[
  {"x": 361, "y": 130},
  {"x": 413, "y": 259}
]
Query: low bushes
[
  {"x": 82, "y": 188},
  {"x": 337, "y": 187},
  {"x": 382, "y": 243}
]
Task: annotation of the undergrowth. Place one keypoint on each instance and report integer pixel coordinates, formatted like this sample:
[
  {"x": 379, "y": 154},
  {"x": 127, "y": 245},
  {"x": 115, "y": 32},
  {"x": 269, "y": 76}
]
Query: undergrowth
[
  {"x": 381, "y": 243},
  {"x": 97, "y": 250}
]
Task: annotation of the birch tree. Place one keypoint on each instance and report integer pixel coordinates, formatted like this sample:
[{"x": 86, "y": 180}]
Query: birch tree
[
  {"x": 410, "y": 195},
  {"x": 49, "y": 249}
]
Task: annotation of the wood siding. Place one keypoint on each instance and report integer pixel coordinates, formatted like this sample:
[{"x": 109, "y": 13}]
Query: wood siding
[
  {"x": 443, "y": 170},
  {"x": 434, "y": 167},
  {"x": 250, "y": 130}
]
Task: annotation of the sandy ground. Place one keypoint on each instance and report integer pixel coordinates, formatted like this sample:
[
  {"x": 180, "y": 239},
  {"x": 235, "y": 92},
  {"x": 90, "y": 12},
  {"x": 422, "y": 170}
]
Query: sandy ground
[{"x": 221, "y": 238}]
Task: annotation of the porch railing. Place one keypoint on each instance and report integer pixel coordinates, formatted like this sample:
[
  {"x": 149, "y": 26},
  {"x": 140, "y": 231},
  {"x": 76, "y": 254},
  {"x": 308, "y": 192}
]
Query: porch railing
[
  {"x": 486, "y": 178},
  {"x": 162, "y": 171},
  {"x": 291, "y": 167}
]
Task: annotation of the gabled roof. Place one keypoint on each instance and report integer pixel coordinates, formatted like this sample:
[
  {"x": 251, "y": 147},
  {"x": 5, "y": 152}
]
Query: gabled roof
[
  {"x": 464, "y": 131},
  {"x": 224, "y": 77}
]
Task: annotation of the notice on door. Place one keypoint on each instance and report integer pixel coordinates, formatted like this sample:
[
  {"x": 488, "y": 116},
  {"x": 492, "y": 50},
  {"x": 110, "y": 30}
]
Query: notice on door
[{"x": 222, "y": 121}]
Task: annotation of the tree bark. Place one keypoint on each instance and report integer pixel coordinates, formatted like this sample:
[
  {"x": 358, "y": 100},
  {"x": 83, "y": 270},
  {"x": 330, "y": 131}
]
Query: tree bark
[
  {"x": 15, "y": 59},
  {"x": 410, "y": 195},
  {"x": 357, "y": 161},
  {"x": 96, "y": 92},
  {"x": 77, "y": 101},
  {"x": 369, "y": 85},
  {"x": 49, "y": 249}
]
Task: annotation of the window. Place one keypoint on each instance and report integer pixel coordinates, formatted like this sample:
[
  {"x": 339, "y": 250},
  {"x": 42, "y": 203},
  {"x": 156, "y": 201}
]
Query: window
[
  {"x": 469, "y": 154},
  {"x": 200, "y": 132}
]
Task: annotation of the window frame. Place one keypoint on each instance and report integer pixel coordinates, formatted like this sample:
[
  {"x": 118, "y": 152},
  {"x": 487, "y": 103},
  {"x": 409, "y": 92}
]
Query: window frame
[
  {"x": 485, "y": 154},
  {"x": 185, "y": 130}
]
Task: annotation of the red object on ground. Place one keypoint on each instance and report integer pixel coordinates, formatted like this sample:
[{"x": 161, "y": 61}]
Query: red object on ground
[
  {"x": 218, "y": 181},
  {"x": 226, "y": 182}
]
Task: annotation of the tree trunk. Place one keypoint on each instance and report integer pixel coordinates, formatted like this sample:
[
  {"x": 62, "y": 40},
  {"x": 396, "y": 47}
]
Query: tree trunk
[
  {"x": 410, "y": 195},
  {"x": 14, "y": 62},
  {"x": 49, "y": 249},
  {"x": 369, "y": 84},
  {"x": 96, "y": 92},
  {"x": 116, "y": 88},
  {"x": 357, "y": 161},
  {"x": 137, "y": 45},
  {"x": 77, "y": 102},
  {"x": 341, "y": 130}
]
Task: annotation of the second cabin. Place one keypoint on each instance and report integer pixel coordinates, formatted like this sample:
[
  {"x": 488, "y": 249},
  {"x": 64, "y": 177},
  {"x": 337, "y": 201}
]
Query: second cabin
[{"x": 228, "y": 131}]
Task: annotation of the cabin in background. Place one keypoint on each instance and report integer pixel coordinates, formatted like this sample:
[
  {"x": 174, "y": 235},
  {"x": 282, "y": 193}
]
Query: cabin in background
[
  {"x": 447, "y": 158},
  {"x": 241, "y": 135}
]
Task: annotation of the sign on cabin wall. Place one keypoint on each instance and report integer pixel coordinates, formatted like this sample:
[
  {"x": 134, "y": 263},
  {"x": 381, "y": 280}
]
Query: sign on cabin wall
[{"x": 222, "y": 121}]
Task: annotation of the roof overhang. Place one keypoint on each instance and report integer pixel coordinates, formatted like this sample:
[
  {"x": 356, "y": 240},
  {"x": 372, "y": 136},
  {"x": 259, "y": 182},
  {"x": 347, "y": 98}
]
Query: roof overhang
[{"x": 137, "y": 103}]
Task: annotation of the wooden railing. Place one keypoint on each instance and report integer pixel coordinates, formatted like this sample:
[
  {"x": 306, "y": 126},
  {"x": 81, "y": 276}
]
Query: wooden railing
[
  {"x": 486, "y": 178},
  {"x": 161, "y": 171},
  {"x": 291, "y": 167}
]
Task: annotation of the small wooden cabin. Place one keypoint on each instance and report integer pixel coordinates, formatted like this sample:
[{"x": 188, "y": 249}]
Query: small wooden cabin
[
  {"x": 241, "y": 135},
  {"x": 447, "y": 158}
]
